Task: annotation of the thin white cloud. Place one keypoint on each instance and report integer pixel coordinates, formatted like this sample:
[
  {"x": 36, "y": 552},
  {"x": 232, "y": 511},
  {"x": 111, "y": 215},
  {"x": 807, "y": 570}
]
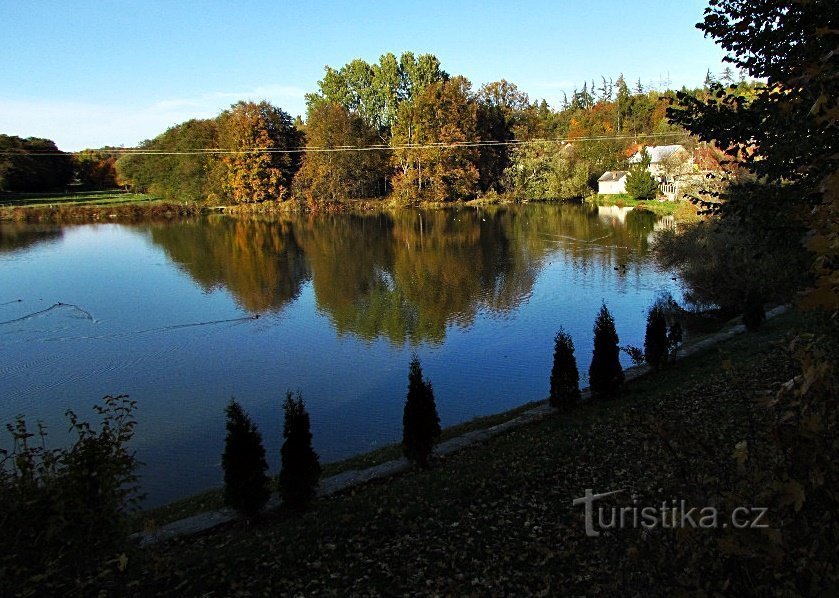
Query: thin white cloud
[{"x": 79, "y": 125}]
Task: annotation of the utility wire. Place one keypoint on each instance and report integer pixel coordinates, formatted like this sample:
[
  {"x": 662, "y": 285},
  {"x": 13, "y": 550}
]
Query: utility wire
[{"x": 138, "y": 151}]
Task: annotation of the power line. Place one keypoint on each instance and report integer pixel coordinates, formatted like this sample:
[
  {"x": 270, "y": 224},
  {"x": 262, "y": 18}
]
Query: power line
[{"x": 139, "y": 151}]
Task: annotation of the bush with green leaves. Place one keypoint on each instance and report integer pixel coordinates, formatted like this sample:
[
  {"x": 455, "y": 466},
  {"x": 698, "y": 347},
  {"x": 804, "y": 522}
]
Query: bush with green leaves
[
  {"x": 65, "y": 512},
  {"x": 420, "y": 422},
  {"x": 605, "y": 373},
  {"x": 300, "y": 466},
  {"x": 565, "y": 378},
  {"x": 246, "y": 485}
]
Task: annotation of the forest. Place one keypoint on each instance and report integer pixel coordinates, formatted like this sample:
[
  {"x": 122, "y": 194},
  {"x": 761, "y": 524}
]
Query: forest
[{"x": 402, "y": 128}]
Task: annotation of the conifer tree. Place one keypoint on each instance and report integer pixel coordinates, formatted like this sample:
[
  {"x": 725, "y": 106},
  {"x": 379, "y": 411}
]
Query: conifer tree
[
  {"x": 640, "y": 184},
  {"x": 420, "y": 422},
  {"x": 245, "y": 481},
  {"x": 656, "y": 346},
  {"x": 300, "y": 466},
  {"x": 565, "y": 378},
  {"x": 605, "y": 373}
]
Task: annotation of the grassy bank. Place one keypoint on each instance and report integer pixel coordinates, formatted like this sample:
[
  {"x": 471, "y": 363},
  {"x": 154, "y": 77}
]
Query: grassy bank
[
  {"x": 498, "y": 517},
  {"x": 683, "y": 211}
]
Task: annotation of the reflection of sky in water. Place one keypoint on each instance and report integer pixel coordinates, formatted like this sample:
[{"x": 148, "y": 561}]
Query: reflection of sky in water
[{"x": 128, "y": 334}]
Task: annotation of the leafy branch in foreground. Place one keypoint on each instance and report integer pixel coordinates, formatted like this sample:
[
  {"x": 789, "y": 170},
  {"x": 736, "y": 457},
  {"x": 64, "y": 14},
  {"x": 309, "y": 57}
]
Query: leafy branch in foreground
[{"x": 65, "y": 511}]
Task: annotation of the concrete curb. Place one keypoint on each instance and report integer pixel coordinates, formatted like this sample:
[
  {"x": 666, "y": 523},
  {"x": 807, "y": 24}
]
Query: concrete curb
[{"x": 354, "y": 477}]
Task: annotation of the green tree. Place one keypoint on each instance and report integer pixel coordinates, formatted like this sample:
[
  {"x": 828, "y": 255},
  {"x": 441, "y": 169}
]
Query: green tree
[
  {"x": 260, "y": 153},
  {"x": 332, "y": 170},
  {"x": 605, "y": 373},
  {"x": 420, "y": 422},
  {"x": 375, "y": 91},
  {"x": 173, "y": 165},
  {"x": 443, "y": 121},
  {"x": 33, "y": 165},
  {"x": 565, "y": 379},
  {"x": 300, "y": 466},
  {"x": 640, "y": 184},
  {"x": 245, "y": 481}
]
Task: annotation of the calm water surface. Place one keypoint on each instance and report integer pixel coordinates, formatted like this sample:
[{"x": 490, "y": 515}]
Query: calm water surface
[{"x": 165, "y": 313}]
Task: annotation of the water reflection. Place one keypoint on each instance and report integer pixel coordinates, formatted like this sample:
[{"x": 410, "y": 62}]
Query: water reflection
[
  {"x": 404, "y": 275},
  {"x": 15, "y": 236}
]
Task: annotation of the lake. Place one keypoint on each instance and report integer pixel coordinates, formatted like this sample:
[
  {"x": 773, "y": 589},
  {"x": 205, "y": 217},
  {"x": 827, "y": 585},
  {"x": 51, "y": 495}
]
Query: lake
[{"x": 167, "y": 314}]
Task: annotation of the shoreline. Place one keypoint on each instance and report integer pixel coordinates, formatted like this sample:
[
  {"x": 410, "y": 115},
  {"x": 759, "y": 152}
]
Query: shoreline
[{"x": 350, "y": 477}]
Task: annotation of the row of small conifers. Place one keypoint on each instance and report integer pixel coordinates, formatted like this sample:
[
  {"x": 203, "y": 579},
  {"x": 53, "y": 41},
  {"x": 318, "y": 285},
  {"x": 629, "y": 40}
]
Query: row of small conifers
[{"x": 247, "y": 485}]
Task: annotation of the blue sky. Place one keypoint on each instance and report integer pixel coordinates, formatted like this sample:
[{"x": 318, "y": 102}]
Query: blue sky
[{"x": 115, "y": 72}]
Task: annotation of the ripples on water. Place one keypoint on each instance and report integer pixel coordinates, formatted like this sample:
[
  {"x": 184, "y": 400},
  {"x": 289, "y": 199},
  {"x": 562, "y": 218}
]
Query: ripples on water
[{"x": 168, "y": 314}]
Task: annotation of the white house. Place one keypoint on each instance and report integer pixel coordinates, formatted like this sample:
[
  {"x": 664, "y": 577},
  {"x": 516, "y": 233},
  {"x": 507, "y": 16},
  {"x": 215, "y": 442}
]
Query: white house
[
  {"x": 666, "y": 161},
  {"x": 612, "y": 182}
]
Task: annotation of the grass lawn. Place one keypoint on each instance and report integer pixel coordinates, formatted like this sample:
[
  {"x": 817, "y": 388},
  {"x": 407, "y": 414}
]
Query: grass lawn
[
  {"x": 95, "y": 198},
  {"x": 497, "y": 518}
]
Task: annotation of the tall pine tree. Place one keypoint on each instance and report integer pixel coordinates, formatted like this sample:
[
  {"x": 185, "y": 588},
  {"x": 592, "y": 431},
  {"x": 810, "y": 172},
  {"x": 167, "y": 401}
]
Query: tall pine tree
[
  {"x": 605, "y": 373},
  {"x": 565, "y": 378},
  {"x": 420, "y": 422},
  {"x": 245, "y": 481},
  {"x": 300, "y": 466}
]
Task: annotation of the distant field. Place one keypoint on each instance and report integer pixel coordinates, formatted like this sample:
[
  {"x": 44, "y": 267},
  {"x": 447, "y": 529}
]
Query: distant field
[{"x": 97, "y": 198}]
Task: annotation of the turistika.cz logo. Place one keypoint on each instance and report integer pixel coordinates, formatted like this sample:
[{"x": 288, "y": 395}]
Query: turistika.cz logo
[{"x": 671, "y": 514}]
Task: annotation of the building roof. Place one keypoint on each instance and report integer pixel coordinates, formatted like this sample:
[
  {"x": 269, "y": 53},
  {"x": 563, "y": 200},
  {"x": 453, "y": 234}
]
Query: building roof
[
  {"x": 612, "y": 175},
  {"x": 658, "y": 153}
]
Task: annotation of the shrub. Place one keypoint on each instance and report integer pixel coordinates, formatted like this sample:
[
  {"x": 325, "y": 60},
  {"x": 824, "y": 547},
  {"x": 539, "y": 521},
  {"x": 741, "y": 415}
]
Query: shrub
[
  {"x": 245, "y": 481},
  {"x": 605, "y": 373},
  {"x": 65, "y": 511},
  {"x": 753, "y": 313},
  {"x": 565, "y": 379},
  {"x": 655, "y": 338},
  {"x": 300, "y": 466},
  {"x": 420, "y": 422}
]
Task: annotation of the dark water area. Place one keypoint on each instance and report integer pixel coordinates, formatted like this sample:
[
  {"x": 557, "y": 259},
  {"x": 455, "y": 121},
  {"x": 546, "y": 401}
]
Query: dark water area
[{"x": 167, "y": 314}]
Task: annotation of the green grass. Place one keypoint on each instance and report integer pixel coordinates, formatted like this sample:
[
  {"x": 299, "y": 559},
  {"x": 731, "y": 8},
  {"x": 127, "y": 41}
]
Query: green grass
[
  {"x": 662, "y": 208},
  {"x": 93, "y": 198}
]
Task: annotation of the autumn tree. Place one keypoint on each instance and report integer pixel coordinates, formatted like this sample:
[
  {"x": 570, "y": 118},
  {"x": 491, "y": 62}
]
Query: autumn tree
[
  {"x": 243, "y": 461},
  {"x": 259, "y": 153},
  {"x": 95, "y": 169},
  {"x": 431, "y": 138},
  {"x": 300, "y": 465},
  {"x": 420, "y": 422},
  {"x": 605, "y": 373},
  {"x": 565, "y": 379},
  {"x": 340, "y": 164}
]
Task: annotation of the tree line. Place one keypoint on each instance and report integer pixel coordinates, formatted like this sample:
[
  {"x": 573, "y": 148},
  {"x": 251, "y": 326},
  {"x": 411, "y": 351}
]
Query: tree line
[{"x": 425, "y": 134}]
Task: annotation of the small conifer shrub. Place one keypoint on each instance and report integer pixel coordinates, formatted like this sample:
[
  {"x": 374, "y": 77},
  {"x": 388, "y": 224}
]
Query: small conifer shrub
[
  {"x": 420, "y": 422},
  {"x": 656, "y": 345},
  {"x": 565, "y": 378},
  {"x": 605, "y": 373},
  {"x": 246, "y": 486},
  {"x": 300, "y": 465}
]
